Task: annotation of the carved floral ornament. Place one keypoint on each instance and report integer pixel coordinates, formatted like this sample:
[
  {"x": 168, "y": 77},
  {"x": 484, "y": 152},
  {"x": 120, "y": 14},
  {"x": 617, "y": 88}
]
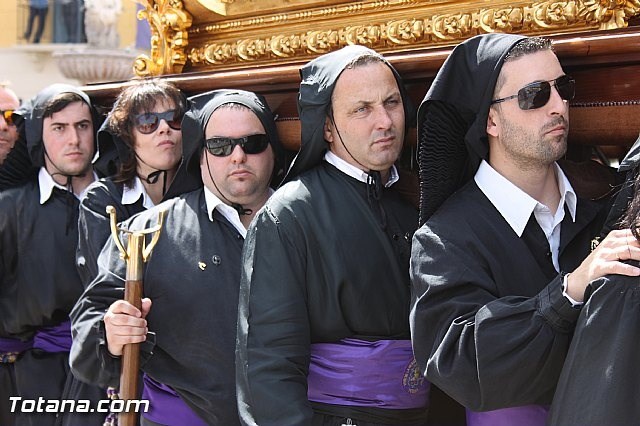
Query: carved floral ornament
[
  {"x": 169, "y": 37},
  {"x": 435, "y": 29}
]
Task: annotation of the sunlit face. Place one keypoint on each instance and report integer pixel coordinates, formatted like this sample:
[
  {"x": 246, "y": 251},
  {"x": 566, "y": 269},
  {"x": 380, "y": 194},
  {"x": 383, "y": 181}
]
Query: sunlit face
[
  {"x": 535, "y": 137},
  {"x": 239, "y": 177},
  {"x": 69, "y": 140},
  {"x": 161, "y": 149},
  {"x": 8, "y": 132},
  {"x": 368, "y": 116}
]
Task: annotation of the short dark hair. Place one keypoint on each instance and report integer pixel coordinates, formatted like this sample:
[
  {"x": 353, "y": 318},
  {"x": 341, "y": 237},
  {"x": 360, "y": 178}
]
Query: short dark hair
[
  {"x": 366, "y": 59},
  {"x": 60, "y": 102},
  {"x": 140, "y": 97},
  {"x": 526, "y": 46}
]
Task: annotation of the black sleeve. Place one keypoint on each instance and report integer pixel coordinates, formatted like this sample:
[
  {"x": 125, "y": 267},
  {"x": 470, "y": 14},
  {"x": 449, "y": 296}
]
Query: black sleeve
[
  {"x": 8, "y": 255},
  {"x": 89, "y": 358},
  {"x": 272, "y": 356},
  {"x": 488, "y": 352}
]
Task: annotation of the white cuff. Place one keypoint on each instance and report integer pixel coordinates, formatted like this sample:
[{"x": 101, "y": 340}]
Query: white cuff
[{"x": 573, "y": 302}]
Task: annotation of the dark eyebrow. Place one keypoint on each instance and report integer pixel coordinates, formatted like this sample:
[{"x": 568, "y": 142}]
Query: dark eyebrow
[{"x": 59, "y": 123}]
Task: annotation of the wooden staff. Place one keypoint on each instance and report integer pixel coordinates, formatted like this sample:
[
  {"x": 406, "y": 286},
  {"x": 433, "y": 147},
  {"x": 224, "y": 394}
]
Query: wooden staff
[{"x": 135, "y": 255}]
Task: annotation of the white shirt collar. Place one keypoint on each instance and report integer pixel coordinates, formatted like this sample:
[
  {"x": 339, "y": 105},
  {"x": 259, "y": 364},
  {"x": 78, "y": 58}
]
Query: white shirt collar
[
  {"x": 46, "y": 185},
  {"x": 231, "y": 214},
  {"x": 514, "y": 204},
  {"x": 131, "y": 195},
  {"x": 356, "y": 173}
]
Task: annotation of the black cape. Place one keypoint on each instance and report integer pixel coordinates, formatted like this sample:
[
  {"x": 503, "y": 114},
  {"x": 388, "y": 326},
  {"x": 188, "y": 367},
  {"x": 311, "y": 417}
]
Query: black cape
[
  {"x": 38, "y": 279},
  {"x": 318, "y": 267},
  {"x": 599, "y": 384},
  {"x": 490, "y": 325},
  {"x": 197, "y": 360}
]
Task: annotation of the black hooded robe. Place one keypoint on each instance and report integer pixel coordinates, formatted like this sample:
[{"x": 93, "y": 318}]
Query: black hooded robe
[
  {"x": 197, "y": 361},
  {"x": 39, "y": 282},
  {"x": 318, "y": 267},
  {"x": 94, "y": 230},
  {"x": 192, "y": 279},
  {"x": 489, "y": 323}
]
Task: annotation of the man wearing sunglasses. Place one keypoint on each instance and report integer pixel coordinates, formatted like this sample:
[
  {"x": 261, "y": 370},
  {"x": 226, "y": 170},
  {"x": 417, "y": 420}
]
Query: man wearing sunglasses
[
  {"x": 231, "y": 154},
  {"x": 8, "y": 133},
  {"x": 323, "y": 332},
  {"x": 39, "y": 283},
  {"x": 500, "y": 266}
]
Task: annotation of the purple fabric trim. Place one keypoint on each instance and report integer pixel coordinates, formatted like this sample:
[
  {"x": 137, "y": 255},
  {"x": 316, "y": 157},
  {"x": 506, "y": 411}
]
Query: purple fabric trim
[
  {"x": 8, "y": 344},
  {"x": 527, "y": 415},
  {"x": 381, "y": 374},
  {"x": 54, "y": 339},
  {"x": 166, "y": 407}
]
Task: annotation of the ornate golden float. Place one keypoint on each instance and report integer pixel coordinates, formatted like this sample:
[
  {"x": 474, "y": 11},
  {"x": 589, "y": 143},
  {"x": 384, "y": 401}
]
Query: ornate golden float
[{"x": 259, "y": 45}]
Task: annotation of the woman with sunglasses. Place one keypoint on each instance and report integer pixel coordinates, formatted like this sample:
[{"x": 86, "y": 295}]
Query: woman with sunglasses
[{"x": 139, "y": 149}]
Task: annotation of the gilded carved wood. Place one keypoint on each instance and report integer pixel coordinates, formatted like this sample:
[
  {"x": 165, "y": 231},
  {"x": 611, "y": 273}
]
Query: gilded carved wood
[
  {"x": 169, "y": 23},
  {"x": 205, "y": 35}
]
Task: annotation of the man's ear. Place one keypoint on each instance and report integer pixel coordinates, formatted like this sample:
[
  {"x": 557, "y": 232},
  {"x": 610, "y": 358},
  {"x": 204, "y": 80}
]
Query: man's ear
[
  {"x": 328, "y": 126},
  {"x": 493, "y": 123}
]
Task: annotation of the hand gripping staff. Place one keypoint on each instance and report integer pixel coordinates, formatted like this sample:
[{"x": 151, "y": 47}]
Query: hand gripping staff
[{"x": 134, "y": 255}]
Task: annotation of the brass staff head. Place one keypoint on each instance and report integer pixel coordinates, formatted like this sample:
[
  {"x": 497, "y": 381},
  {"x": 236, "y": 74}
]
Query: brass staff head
[{"x": 115, "y": 234}]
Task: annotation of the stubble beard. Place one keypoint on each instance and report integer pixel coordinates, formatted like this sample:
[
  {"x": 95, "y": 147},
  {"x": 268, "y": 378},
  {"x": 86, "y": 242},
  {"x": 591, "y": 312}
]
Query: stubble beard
[{"x": 532, "y": 151}]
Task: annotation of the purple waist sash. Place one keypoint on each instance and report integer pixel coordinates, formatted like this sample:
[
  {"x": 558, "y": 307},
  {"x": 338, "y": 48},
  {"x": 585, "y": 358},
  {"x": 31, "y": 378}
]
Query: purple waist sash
[
  {"x": 8, "y": 344},
  {"x": 54, "y": 339},
  {"x": 166, "y": 407},
  {"x": 381, "y": 374},
  {"x": 527, "y": 415}
]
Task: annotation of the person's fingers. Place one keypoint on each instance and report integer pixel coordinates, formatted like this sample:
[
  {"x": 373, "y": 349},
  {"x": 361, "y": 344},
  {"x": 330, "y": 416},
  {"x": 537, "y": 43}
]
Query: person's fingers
[
  {"x": 122, "y": 329},
  {"x": 620, "y": 268},
  {"x": 146, "y": 306},
  {"x": 627, "y": 252},
  {"x": 124, "y": 307}
]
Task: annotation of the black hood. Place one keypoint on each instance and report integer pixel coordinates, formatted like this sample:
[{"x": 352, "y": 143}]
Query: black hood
[
  {"x": 34, "y": 119},
  {"x": 188, "y": 177},
  {"x": 319, "y": 78},
  {"x": 112, "y": 150},
  {"x": 452, "y": 118},
  {"x": 27, "y": 156}
]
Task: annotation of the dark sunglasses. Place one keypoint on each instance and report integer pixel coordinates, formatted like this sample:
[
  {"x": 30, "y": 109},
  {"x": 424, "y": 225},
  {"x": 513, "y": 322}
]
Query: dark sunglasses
[
  {"x": 536, "y": 95},
  {"x": 222, "y": 147},
  {"x": 148, "y": 122},
  {"x": 7, "y": 114}
]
